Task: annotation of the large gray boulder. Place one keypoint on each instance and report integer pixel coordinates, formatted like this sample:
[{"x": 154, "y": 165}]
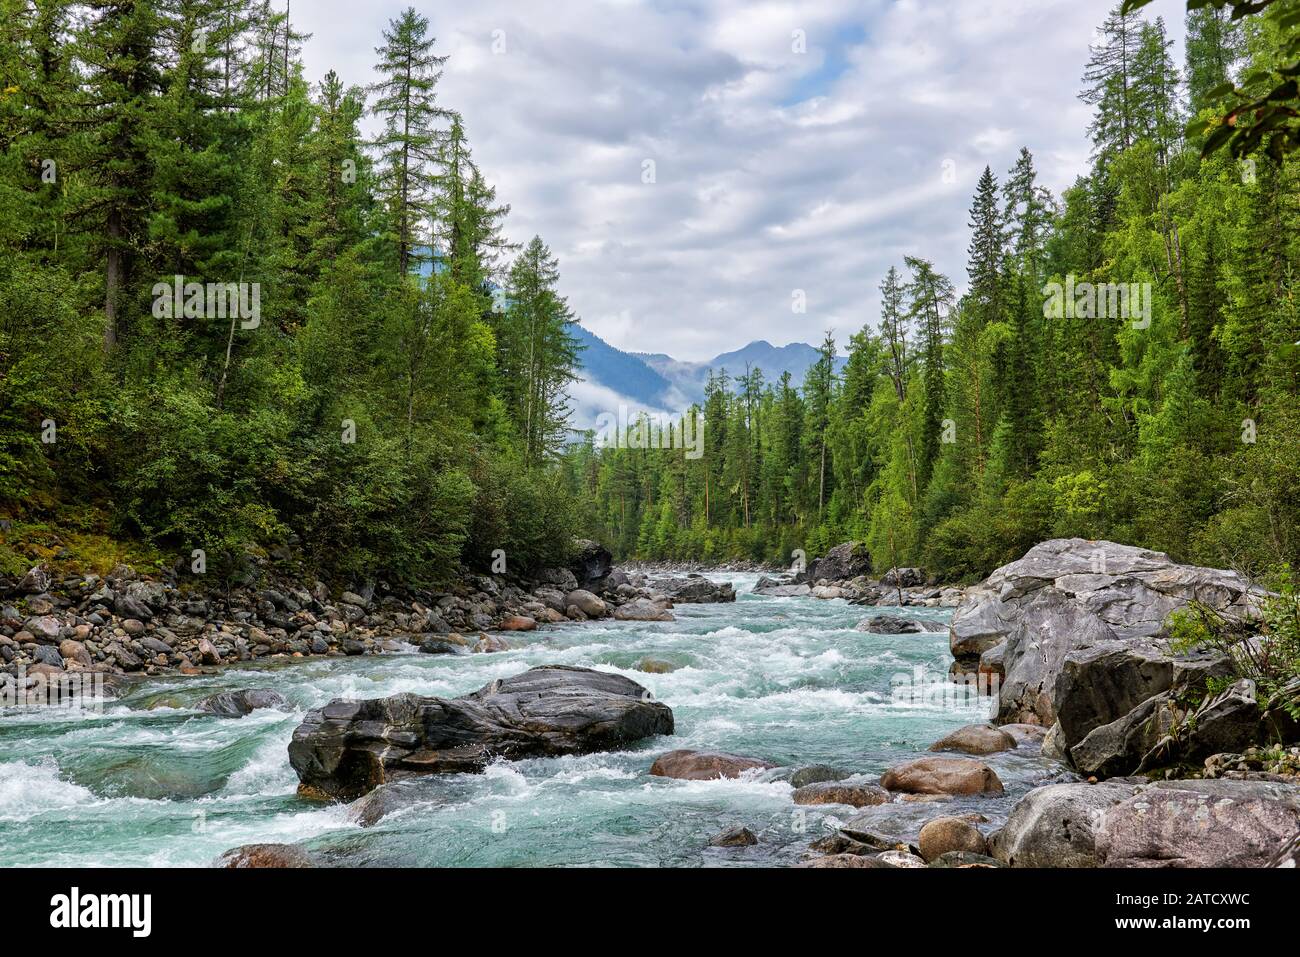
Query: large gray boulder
[
  {"x": 1082, "y": 626},
  {"x": 1056, "y": 825},
  {"x": 591, "y": 561},
  {"x": 696, "y": 590},
  {"x": 1213, "y": 823},
  {"x": 348, "y": 748},
  {"x": 849, "y": 560}
]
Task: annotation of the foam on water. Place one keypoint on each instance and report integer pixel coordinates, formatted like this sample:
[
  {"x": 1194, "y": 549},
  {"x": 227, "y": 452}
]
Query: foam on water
[{"x": 151, "y": 781}]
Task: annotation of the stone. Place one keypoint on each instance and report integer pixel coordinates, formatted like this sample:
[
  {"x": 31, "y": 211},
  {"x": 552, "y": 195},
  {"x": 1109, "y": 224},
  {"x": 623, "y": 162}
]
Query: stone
[
  {"x": 802, "y": 590},
  {"x": 43, "y": 627},
  {"x": 945, "y": 834},
  {"x": 48, "y": 655},
  {"x": 900, "y": 859},
  {"x": 1025, "y": 733},
  {"x": 697, "y": 590},
  {"x": 840, "y": 792},
  {"x": 591, "y": 561},
  {"x": 133, "y": 627},
  {"x": 816, "y": 774},
  {"x": 1056, "y": 825},
  {"x": 642, "y": 609},
  {"x": 889, "y": 625},
  {"x": 904, "y": 577},
  {"x": 1232, "y": 720},
  {"x": 845, "y": 860},
  {"x": 689, "y": 765},
  {"x": 734, "y": 837},
  {"x": 1214, "y": 823},
  {"x": 490, "y": 644},
  {"x": 1288, "y": 855},
  {"x": 518, "y": 623},
  {"x": 590, "y": 605},
  {"x": 965, "y": 859},
  {"x": 348, "y": 748},
  {"x": 236, "y": 704},
  {"x": 942, "y": 776},
  {"x": 36, "y": 581},
  {"x": 1106, "y": 605},
  {"x": 265, "y": 856},
  {"x": 208, "y": 653},
  {"x": 844, "y": 561},
  {"x": 976, "y": 739},
  {"x": 654, "y": 666},
  {"x": 73, "y": 650},
  {"x": 444, "y": 645}
]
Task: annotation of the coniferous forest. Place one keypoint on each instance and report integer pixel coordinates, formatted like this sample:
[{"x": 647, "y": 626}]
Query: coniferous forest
[
  {"x": 964, "y": 430},
  {"x": 396, "y": 403}
]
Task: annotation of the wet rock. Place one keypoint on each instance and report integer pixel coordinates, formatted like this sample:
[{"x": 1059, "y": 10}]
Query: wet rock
[
  {"x": 697, "y": 589},
  {"x": 518, "y": 623},
  {"x": 844, "y": 561},
  {"x": 689, "y": 765},
  {"x": 348, "y": 748},
  {"x": 643, "y": 609},
  {"x": 589, "y": 604},
  {"x": 889, "y": 625},
  {"x": 802, "y": 590},
  {"x": 900, "y": 859},
  {"x": 965, "y": 859},
  {"x": 976, "y": 739},
  {"x": 450, "y": 644},
  {"x": 846, "y": 860},
  {"x": 946, "y": 834},
  {"x": 1025, "y": 733},
  {"x": 369, "y": 809},
  {"x": 1199, "y": 824},
  {"x": 1056, "y": 825},
  {"x": 654, "y": 666},
  {"x": 490, "y": 644},
  {"x": 942, "y": 776},
  {"x": 236, "y": 704},
  {"x": 265, "y": 856},
  {"x": 734, "y": 837},
  {"x": 840, "y": 792},
  {"x": 816, "y": 774}
]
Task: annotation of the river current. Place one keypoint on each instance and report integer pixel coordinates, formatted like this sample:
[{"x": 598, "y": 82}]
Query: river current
[{"x": 148, "y": 781}]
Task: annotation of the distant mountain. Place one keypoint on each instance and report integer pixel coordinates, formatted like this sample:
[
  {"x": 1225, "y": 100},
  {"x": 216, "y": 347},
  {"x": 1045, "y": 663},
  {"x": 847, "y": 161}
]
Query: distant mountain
[
  {"x": 658, "y": 382},
  {"x": 691, "y": 377}
]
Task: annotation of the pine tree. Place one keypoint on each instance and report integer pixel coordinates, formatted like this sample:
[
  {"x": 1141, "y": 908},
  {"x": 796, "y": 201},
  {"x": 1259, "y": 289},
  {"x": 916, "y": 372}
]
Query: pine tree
[
  {"x": 409, "y": 144},
  {"x": 1110, "y": 78}
]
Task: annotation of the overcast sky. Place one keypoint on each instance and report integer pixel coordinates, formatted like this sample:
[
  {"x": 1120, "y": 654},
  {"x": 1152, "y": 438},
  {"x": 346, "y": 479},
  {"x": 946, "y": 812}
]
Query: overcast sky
[{"x": 775, "y": 170}]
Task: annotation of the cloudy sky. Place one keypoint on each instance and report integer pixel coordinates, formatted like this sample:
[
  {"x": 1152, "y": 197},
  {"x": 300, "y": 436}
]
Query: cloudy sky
[{"x": 795, "y": 146}]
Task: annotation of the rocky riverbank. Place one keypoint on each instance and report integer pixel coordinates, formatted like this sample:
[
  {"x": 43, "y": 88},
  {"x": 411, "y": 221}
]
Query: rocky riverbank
[
  {"x": 1178, "y": 760},
  {"x": 123, "y": 624}
]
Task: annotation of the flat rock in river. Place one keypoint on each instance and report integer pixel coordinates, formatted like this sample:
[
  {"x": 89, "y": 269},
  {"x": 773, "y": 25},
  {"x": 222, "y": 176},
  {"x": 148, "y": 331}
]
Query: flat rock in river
[
  {"x": 348, "y": 748},
  {"x": 704, "y": 765},
  {"x": 942, "y": 776}
]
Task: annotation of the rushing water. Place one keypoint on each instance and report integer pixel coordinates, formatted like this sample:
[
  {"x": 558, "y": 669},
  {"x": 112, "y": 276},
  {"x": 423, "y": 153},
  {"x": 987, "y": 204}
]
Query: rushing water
[{"x": 150, "y": 781}]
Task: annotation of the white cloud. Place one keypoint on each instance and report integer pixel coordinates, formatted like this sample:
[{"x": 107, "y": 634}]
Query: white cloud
[{"x": 775, "y": 170}]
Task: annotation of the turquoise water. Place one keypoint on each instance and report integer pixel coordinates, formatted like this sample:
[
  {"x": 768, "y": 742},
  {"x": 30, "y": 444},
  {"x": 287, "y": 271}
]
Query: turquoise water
[{"x": 149, "y": 781}]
